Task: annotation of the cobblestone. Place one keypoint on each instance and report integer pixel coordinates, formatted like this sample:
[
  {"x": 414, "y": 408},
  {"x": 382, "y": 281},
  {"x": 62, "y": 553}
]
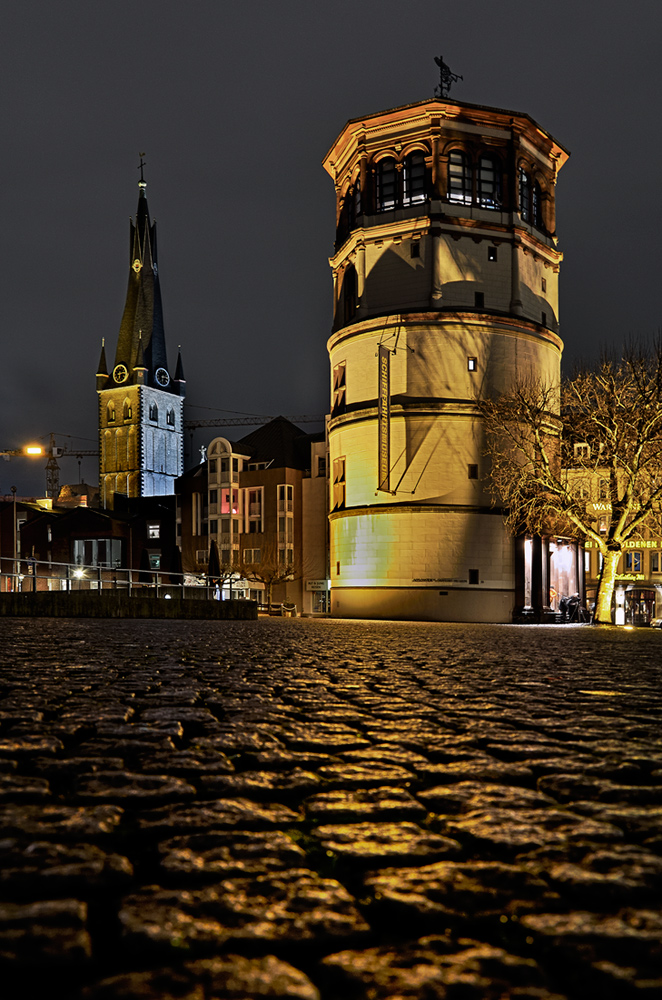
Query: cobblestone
[{"x": 316, "y": 810}]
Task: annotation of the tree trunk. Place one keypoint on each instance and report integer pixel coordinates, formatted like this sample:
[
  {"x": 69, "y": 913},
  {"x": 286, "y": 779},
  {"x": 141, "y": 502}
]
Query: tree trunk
[{"x": 606, "y": 587}]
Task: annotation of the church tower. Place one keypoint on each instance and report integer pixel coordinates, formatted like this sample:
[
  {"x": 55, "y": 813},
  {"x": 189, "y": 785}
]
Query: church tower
[
  {"x": 141, "y": 401},
  {"x": 445, "y": 274}
]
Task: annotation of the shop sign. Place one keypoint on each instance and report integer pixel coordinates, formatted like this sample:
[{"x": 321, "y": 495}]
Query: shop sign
[{"x": 318, "y": 585}]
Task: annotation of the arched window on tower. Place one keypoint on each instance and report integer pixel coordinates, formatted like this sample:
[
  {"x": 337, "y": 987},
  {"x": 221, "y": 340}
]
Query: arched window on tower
[
  {"x": 128, "y": 412},
  {"x": 536, "y": 206},
  {"x": 170, "y": 417},
  {"x": 460, "y": 181},
  {"x": 355, "y": 205},
  {"x": 110, "y": 412},
  {"x": 524, "y": 195},
  {"x": 349, "y": 293},
  {"x": 387, "y": 185},
  {"x": 489, "y": 182},
  {"x": 414, "y": 179},
  {"x": 153, "y": 411}
]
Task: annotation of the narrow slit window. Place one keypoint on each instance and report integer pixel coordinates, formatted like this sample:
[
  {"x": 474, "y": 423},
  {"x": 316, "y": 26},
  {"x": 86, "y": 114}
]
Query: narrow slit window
[{"x": 472, "y": 364}]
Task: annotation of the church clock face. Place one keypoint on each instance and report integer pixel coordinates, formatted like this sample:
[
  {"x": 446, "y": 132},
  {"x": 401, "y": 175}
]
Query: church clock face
[
  {"x": 120, "y": 374},
  {"x": 162, "y": 377}
]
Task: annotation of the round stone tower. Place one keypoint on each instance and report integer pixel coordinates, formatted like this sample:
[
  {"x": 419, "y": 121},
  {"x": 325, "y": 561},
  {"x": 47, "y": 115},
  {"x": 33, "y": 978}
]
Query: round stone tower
[{"x": 445, "y": 277}]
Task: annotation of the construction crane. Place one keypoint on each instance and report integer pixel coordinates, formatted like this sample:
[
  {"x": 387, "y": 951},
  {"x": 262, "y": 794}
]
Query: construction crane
[
  {"x": 52, "y": 466},
  {"x": 305, "y": 418}
]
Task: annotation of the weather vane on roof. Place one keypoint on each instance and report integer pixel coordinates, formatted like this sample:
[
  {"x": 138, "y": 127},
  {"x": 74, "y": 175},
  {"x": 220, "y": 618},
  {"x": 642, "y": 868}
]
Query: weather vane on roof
[
  {"x": 446, "y": 78},
  {"x": 140, "y": 167}
]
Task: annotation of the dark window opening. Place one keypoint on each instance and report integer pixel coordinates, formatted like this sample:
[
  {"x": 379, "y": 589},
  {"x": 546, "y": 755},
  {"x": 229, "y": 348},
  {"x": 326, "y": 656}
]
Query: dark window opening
[
  {"x": 536, "y": 207},
  {"x": 489, "y": 183},
  {"x": 349, "y": 294},
  {"x": 460, "y": 181},
  {"x": 472, "y": 471},
  {"x": 414, "y": 179},
  {"x": 491, "y": 253},
  {"x": 415, "y": 248},
  {"x": 474, "y": 576},
  {"x": 524, "y": 195},
  {"x": 480, "y": 300},
  {"x": 387, "y": 180}
]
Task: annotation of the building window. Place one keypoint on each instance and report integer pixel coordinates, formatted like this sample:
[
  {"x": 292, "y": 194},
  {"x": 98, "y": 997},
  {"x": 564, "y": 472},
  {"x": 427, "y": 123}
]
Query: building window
[
  {"x": 655, "y": 562},
  {"x": 153, "y": 411},
  {"x": 582, "y": 451},
  {"x": 153, "y": 529},
  {"x": 213, "y": 497},
  {"x": 474, "y": 577},
  {"x": 415, "y": 248},
  {"x": 472, "y": 471},
  {"x": 339, "y": 389},
  {"x": 387, "y": 185},
  {"x": 603, "y": 526},
  {"x": 633, "y": 562},
  {"x": 229, "y": 501},
  {"x": 536, "y": 206},
  {"x": 472, "y": 364},
  {"x": 479, "y": 298},
  {"x": 349, "y": 293},
  {"x": 544, "y": 284},
  {"x": 285, "y": 499},
  {"x": 170, "y": 418},
  {"x": 543, "y": 319},
  {"x": 587, "y": 562},
  {"x": 338, "y": 497},
  {"x": 460, "y": 182},
  {"x": 110, "y": 412},
  {"x": 128, "y": 411},
  {"x": 524, "y": 195},
  {"x": 252, "y": 556},
  {"x": 321, "y": 466},
  {"x": 213, "y": 526},
  {"x": 491, "y": 253},
  {"x": 202, "y": 556},
  {"x": 213, "y": 465},
  {"x": 603, "y": 489},
  {"x": 489, "y": 183},
  {"x": 155, "y": 560},
  {"x": 414, "y": 179}
]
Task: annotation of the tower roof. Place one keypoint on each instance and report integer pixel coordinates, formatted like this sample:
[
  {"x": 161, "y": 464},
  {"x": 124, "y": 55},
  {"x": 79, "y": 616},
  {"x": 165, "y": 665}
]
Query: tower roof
[{"x": 141, "y": 345}]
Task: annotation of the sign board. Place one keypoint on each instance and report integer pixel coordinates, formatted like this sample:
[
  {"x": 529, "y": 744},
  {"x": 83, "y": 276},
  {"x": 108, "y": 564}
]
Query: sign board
[
  {"x": 317, "y": 584},
  {"x": 384, "y": 420}
]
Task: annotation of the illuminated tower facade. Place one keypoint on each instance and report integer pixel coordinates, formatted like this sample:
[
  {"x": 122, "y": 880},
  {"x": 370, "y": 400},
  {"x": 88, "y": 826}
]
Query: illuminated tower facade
[
  {"x": 141, "y": 401},
  {"x": 445, "y": 277}
]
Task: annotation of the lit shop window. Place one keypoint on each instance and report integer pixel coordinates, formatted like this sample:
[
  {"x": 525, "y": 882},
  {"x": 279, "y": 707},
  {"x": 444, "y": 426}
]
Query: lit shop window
[{"x": 633, "y": 562}]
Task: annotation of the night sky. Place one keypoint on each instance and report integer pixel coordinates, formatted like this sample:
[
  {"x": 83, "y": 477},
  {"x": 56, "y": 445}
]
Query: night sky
[{"x": 235, "y": 106}]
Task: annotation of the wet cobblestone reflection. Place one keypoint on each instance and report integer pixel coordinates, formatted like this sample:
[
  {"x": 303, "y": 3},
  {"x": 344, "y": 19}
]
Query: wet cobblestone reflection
[{"x": 310, "y": 810}]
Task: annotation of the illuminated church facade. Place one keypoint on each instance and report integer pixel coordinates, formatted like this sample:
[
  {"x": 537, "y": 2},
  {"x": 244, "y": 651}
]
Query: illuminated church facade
[
  {"x": 141, "y": 401},
  {"x": 445, "y": 276}
]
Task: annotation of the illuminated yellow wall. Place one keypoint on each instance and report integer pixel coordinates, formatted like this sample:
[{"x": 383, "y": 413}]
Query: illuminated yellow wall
[{"x": 437, "y": 282}]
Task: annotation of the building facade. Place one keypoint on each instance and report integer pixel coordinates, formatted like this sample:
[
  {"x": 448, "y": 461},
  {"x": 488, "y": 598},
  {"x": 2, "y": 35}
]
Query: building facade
[
  {"x": 141, "y": 400},
  {"x": 445, "y": 276},
  {"x": 262, "y": 502}
]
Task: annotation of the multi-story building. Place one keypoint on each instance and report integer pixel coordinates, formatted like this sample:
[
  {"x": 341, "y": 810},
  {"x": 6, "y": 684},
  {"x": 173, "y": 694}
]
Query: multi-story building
[
  {"x": 262, "y": 501},
  {"x": 141, "y": 400},
  {"x": 445, "y": 276}
]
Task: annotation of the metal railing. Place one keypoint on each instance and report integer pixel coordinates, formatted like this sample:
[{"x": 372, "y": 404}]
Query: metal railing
[{"x": 29, "y": 575}]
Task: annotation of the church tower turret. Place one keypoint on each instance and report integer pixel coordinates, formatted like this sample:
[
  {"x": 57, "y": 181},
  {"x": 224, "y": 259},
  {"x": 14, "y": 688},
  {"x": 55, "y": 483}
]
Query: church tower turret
[{"x": 140, "y": 404}]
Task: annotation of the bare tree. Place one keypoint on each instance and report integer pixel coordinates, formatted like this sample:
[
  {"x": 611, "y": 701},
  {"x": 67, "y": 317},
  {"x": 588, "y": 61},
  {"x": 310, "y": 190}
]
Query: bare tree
[
  {"x": 583, "y": 457},
  {"x": 271, "y": 569}
]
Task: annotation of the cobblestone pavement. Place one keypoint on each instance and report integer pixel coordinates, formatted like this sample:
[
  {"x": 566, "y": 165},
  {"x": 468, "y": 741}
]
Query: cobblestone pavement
[{"x": 322, "y": 809}]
